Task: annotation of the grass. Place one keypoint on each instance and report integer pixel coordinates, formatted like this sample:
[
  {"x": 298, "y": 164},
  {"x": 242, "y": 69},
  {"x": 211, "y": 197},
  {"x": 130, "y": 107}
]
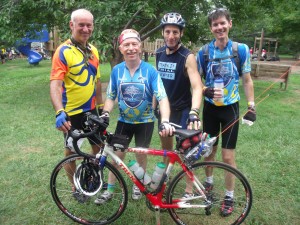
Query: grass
[{"x": 267, "y": 153}]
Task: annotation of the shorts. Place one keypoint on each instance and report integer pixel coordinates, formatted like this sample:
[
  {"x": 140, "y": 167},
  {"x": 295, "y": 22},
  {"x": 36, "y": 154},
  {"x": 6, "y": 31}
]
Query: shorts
[
  {"x": 178, "y": 117},
  {"x": 142, "y": 132},
  {"x": 77, "y": 122},
  {"x": 222, "y": 117}
]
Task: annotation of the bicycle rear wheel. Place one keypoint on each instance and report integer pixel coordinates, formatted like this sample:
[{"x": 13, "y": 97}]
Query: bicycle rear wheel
[
  {"x": 210, "y": 214},
  {"x": 79, "y": 207}
]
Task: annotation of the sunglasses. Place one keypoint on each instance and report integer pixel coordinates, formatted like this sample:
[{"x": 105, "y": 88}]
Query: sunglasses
[{"x": 217, "y": 10}]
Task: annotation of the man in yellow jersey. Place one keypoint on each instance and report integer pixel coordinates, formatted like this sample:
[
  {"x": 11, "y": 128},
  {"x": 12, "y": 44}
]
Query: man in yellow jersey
[{"x": 75, "y": 86}]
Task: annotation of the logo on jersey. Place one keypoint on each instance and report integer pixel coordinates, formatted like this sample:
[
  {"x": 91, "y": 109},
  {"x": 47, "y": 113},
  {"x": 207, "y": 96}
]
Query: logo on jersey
[
  {"x": 222, "y": 70},
  {"x": 132, "y": 94},
  {"x": 167, "y": 70}
]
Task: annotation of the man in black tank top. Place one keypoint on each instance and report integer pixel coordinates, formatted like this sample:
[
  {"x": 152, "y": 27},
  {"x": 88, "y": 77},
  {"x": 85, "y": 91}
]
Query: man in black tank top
[{"x": 178, "y": 69}]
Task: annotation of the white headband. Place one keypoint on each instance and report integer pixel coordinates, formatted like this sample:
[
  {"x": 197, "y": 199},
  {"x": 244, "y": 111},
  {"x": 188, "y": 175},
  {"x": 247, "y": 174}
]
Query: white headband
[{"x": 129, "y": 35}]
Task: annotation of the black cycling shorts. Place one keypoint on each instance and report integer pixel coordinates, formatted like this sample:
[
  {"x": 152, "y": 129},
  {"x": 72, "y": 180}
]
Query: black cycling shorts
[
  {"x": 178, "y": 117},
  {"x": 222, "y": 117},
  {"x": 142, "y": 132},
  {"x": 77, "y": 122}
]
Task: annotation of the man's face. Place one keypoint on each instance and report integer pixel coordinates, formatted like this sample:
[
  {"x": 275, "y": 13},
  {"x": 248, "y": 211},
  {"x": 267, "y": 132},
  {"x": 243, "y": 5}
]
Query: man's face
[
  {"x": 171, "y": 35},
  {"x": 131, "y": 49},
  {"x": 220, "y": 27},
  {"x": 82, "y": 28}
]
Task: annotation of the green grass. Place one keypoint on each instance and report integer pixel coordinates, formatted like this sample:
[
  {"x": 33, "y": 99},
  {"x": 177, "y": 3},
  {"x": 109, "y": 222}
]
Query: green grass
[{"x": 267, "y": 153}]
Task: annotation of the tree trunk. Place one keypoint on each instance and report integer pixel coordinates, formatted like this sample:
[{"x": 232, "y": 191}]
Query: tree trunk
[{"x": 116, "y": 59}]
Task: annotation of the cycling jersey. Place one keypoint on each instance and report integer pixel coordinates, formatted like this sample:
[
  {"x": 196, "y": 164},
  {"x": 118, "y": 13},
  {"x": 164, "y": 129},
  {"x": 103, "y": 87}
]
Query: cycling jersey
[
  {"x": 135, "y": 92},
  {"x": 224, "y": 67},
  {"x": 175, "y": 79},
  {"x": 79, "y": 77}
]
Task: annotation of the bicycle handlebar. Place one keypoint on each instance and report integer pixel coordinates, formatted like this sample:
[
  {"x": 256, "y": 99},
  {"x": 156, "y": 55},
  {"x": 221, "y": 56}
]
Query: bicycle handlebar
[{"x": 95, "y": 124}]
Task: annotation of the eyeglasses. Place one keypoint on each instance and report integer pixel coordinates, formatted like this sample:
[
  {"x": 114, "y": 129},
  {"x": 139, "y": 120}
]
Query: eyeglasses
[{"x": 216, "y": 10}]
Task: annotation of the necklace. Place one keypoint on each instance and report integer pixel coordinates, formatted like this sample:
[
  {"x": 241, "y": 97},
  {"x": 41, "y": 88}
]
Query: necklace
[{"x": 86, "y": 51}]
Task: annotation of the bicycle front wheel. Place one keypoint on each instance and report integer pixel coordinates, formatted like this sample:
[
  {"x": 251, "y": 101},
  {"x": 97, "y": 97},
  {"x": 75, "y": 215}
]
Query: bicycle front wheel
[
  {"x": 79, "y": 207},
  {"x": 201, "y": 212}
]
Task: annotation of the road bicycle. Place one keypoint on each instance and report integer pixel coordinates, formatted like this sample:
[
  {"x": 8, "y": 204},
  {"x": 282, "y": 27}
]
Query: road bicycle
[{"x": 90, "y": 173}]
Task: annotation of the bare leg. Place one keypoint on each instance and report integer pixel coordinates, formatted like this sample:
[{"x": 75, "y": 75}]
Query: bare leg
[
  {"x": 228, "y": 156},
  {"x": 166, "y": 144}
]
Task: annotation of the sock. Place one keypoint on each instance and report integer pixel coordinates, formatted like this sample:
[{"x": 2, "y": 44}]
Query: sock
[
  {"x": 210, "y": 179},
  {"x": 111, "y": 188},
  {"x": 229, "y": 193}
]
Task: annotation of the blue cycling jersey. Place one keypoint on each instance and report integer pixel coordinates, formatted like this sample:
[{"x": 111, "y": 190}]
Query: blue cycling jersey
[
  {"x": 135, "y": 93},
  {"x": 224, "y": 68}
]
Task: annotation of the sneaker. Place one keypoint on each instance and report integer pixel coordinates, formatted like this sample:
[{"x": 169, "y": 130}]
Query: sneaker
[
  {"x": 136, "y": 193},
  {"x": 188, "y": 195},
  {"x": 227, "y": 206},
  {"x": 104, "y": 197},
  {"x": 80, "y": 197},
  {"x": 208, "y": 187}
]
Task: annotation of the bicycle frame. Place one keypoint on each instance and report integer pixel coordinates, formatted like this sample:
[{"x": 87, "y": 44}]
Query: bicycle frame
[{"x": 156, "y": 197}]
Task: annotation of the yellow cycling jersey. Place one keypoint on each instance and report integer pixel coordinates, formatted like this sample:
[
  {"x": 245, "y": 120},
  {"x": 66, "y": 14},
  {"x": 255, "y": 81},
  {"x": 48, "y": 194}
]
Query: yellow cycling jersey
[{"x": 79, "y": 75}]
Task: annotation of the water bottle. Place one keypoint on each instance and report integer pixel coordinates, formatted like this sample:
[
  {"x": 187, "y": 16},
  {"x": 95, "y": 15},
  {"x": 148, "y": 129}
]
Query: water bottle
[
  {"x": 219, "y": 84},
  {"x": 157, "y": 175},
  {"x": 139, "y": 172}
]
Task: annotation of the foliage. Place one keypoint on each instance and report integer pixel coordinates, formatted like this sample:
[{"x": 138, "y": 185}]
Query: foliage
[{"x": 112, "y": 16}]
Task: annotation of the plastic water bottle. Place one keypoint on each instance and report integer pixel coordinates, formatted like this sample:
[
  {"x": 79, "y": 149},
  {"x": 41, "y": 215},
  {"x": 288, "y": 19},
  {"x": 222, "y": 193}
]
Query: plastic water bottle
[
  {"x": 219, "y": 83},
  {"x": 139, "y": 172},
  {"x": 157, "y": 175}
]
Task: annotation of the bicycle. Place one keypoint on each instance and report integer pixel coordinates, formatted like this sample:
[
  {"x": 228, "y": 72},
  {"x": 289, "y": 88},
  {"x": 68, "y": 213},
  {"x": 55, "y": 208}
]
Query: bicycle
[{"x": 203, "y": 207}]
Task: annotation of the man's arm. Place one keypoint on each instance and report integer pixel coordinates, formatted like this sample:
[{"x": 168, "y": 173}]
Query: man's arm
[
  {"x": 196, "y": 84},
  {"x": 248, "y": 87},
  {"x": 99, "y": 100},
  {"x": 62, "y": 123}
]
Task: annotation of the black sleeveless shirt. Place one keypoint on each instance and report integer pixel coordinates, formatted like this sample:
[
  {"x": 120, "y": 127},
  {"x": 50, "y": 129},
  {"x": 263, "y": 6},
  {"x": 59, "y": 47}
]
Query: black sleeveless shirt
[{"x": 175, "y": 79}]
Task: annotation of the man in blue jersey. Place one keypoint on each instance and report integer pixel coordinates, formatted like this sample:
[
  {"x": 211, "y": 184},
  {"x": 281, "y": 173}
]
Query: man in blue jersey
[
  {"x": 134, "y": 83},
  {"x": 178, "y": 70},
  {"x": 220, "y": 64}
]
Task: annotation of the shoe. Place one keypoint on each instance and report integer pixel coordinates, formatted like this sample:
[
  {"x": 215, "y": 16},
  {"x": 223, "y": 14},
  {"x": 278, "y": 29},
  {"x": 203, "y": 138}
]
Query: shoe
[
  {"x": 136, "y": 193},
  {"x": 80, "y": 197},
  {"x": 208, "y": 187},
  {"x": 227, "y": 206},
  {"x": 104, "y": 197},
  {"x": 188, "y": 195}
]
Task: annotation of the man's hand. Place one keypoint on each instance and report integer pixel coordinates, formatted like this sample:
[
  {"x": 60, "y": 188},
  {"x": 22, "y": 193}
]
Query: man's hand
[
  {"x": 165, "y": 129},
  {"x": 250, "y": 116},
  {"x": 100, "y": 110},
  {"x": 193, "y": 120},
  {"x": 208, "y": 92},
  {"x": 62, "y": 121},
  {"x": 105, "y": 117}
]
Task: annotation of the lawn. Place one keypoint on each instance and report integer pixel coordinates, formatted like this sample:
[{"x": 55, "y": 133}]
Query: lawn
[{"x": 267, "y": 152}]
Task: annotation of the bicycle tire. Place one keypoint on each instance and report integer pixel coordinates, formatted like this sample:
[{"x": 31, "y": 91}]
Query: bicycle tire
[
  {"x": 211, "y": 215},
  {"x": 87, "y": 212}
]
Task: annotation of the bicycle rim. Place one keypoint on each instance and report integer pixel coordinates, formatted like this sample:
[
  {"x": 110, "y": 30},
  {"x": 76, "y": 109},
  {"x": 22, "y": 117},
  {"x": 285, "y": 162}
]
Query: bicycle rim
[
  {"x": 211, "y": 214},
  {"x": 79, "y": 207}
]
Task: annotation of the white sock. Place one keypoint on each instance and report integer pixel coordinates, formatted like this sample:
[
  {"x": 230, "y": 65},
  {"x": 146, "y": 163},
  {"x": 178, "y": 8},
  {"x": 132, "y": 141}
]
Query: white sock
[
  {"x": 229, "y": 193},
  {"x": 210, "y": 179}
]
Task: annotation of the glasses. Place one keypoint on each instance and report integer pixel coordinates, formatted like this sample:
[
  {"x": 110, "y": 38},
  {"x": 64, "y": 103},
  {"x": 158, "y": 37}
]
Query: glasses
[{"x": 217, "y": 10}]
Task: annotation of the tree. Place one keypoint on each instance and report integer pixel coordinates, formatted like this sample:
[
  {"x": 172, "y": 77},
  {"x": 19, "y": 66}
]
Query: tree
[
  {"x": 111, "y": 17},
  {"x": 17, "y": 17}
]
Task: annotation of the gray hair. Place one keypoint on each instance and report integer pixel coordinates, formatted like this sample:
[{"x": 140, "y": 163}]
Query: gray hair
[{"x": 78, "y": 12}]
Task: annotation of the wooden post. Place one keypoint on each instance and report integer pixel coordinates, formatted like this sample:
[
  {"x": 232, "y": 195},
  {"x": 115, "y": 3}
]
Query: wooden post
[{"x": 260, "y": 44}]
